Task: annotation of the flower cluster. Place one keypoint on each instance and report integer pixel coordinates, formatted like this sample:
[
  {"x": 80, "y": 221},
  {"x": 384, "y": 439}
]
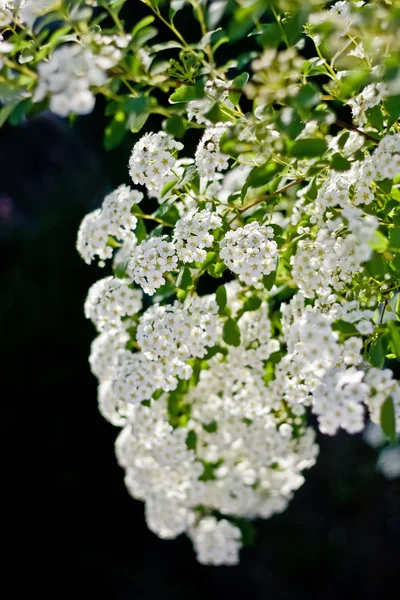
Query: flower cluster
[
  {"x": 113, "y": 219},
  {"x": 149, "y": 261},
  {"x": 153, "y": 159},
  {"x": 208, "y": 157},
  {"x": 250, "y": 251},
  {"x": 192, "y": 235},
  {"x": 67, "y": 78}
]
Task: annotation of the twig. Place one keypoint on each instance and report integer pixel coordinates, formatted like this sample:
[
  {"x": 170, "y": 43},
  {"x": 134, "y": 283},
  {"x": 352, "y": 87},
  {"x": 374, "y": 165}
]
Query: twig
[
  {"x": 240, "y": 211},
  {"x": 352, "y": 127}
]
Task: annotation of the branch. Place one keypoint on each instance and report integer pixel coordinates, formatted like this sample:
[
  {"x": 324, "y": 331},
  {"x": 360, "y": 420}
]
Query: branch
[
  {"x": 352, "y": 127},
  {"x": 267, "y": 197}
]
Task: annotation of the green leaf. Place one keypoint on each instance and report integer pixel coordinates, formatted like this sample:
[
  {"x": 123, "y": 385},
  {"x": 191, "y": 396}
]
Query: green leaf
[
  {"x": 376, "y": 354},
  {"x": 231, "y": 332},
  {"x": 191, "y": 440},
  {"x": 216, "y": 269},
  {"x": 221, "y": 298},
  {"x": 269, "y": 280},
  {"x": 211, "y": 427},
  {"x": 168, "y": 213},
  {"x": 308, "y": 147},
  {"x": 260, "y": 176},
  {"x": 379, "y": 242},
  {"x": 394, "y": 337},
  {"x": 394, "y": 239},
  {"x": 308, "y": 96},
  {"x": 237, "y": 87},
  {"x": 251, "y": 304},
  {"x": 340, "y": 163},
  {"x": 220, "y": 112},
  {"x": 175, "y": 125},
  {"x": 140, "y": 231},
  {"x": 388, "y": 420},
  {"x": 142, "y": 24},
  {"x": 184, "y": 280},
  {"x": 136, "y": 122},
  {"x": 115, "y": 132},
  {"x": 398, "y": 307},
  {"x": 392, "y": 107},
  {"x": 186, "y": 93},
  {"x": 6, "y": 111}
]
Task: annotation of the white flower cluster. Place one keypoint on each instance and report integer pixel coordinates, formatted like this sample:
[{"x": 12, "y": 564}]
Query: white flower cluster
[
  {"x": 68, "y": 77},
  {"x": 149, "y": 261},
  {"x": 153, "y": 159},
  {"x": 331, "y": 376},
  {"x": 208, "y": 157},
  {"x": 342, "y": 244},
  {"x": 192, "y": 235},
  {"x": 113, "y": 218},
  {"x": 226, "y": 451},
  {"x": 178, "y": 332},
  {"x": 371, "y": 96},
  {"x": 109, "y": 48},
  {"x": 109, "y": 300},
  {"x": 216, "y": 542},
  {"x": 250, "y": 252},
  {"x": 26, "y": 10},
  {"x": 168, "y": 337}
]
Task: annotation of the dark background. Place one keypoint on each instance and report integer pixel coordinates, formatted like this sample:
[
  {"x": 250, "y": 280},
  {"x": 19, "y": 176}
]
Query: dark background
[{"x": 340, "y": 537}]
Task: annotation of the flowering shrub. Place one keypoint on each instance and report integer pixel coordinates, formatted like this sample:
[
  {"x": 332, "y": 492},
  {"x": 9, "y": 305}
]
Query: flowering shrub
[{"x": 263, "y": 288}]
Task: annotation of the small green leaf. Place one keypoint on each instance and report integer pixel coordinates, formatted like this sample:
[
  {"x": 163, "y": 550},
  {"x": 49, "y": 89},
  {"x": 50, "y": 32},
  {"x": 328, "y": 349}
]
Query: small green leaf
[
  {"x": 221, "y": 298},
  {"x": 394, "y": 239},
  {"x": 308, "y": 147},
  {"x": 191, "y": 440},
  {"x": 186, "y": 93},
  {"x": 211, "y": 427},
  {"x": 168, "y": 213},
  {"x": 394, "y": 337},
  {"x": 184, "y": 280},
  {"x": 231, "y": 332},
  {"x": 237, "y": 87},
  {"x": 392, "y": 107},
  {"x": 140, "y": 231},
  {"x": 216, "y": 269},
  {"x": 398, "y": 307},
  {"x": 251, "y": 304},
  {"x": 142, "y": 24},
  {"x": 379, "y": 242},
  {"x": 175, "y": 125},
  {"x": 269, "y": 280},
  {"x": 376, "y": 354},
  {"x": 388, "y": 420},
  {"x": 340, "y": 163},
  {"x": 308, "y": 96}
]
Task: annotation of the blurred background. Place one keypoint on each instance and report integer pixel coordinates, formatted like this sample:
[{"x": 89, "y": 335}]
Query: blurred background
[{"x": 340, "y": 537}]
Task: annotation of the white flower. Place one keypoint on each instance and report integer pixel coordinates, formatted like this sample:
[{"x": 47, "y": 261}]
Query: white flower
[
  {"x": 153, "y": 159},
  {"x": 250, "y": 252}
]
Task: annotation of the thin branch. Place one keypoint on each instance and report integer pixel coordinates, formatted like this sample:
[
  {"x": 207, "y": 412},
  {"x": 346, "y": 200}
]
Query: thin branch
[
  {"x": 281, "y": 190},
  {"x": 352, "y": 127}
]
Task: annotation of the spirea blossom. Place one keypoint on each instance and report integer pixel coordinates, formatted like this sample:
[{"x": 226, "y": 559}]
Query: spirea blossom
[
  {"x": 192, "y": 235},
  {"x": 250, "y": 251},
  {"x": 153, "y": 159},
  {"x": 113, "y": 218},
  {"x": 149, "y": 262},
  {"x": 109, "y": 300},
  {"x": 68, "y": 77},
  {"x": 208, "y": 157}
]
